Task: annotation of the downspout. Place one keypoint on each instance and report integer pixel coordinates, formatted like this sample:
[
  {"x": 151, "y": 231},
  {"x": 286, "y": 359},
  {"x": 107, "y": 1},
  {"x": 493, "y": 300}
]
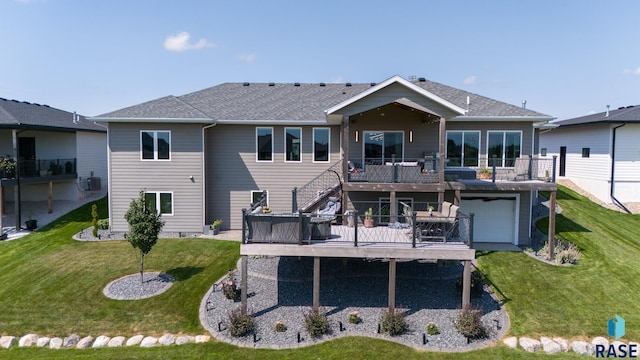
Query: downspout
[
  {"x": 613, "y": 167},
  {"x": 204, "y": 183},
  {"x": 108, "y": 172}
]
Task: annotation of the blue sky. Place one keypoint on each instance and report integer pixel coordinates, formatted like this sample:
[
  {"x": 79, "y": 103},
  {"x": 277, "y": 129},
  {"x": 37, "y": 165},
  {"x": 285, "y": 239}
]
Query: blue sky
[{"x": 566, "y": 58}]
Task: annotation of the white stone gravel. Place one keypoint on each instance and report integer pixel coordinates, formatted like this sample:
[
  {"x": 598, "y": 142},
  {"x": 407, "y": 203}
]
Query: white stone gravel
[
  {"x": 280, "y": 289},
  {"x": 131, "y": 288}
]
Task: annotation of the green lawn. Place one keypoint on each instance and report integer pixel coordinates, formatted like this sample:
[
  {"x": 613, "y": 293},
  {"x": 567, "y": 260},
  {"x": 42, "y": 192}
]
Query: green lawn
[
  {"x": 574, "y": 301},
  {"x": 52, "y": 285}
]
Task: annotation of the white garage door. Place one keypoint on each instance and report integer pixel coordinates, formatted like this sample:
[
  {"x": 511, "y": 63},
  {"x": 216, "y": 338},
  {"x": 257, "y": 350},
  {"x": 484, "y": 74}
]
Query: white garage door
[{"x": 495, "y": 218}]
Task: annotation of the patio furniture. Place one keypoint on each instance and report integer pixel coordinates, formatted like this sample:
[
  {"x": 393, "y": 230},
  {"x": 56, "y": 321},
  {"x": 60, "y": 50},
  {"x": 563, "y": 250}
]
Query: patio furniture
[
  {"x": 320, "y": 228},
  {"x": 277, "y": 228}
]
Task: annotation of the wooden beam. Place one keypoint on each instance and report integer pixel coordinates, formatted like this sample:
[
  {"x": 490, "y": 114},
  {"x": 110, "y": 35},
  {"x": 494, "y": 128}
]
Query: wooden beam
[
  {"x": 552, "y": 224},
  {"x": 316, "y": 283},
  {"x": 393, "y": 208},
  {"x": 243, "y": 283},
  {"x": 392, "y": 285},
  {"x": 456, "y": 200},
  {"x": 466, "y": 284},
  {"x": 50, "y": 197},
  {"x": 442, "y": 140}
]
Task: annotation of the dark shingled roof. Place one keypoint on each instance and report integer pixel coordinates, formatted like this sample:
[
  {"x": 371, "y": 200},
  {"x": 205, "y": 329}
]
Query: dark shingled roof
[
  {"x": 623, "y": 114},
  {"x": 287, "y": 101},
  {"x": 21, "y": 114}
]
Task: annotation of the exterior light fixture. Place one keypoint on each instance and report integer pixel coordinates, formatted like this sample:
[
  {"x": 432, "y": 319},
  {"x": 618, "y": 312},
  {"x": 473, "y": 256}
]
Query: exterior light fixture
[{"x": 357, "y": 136}]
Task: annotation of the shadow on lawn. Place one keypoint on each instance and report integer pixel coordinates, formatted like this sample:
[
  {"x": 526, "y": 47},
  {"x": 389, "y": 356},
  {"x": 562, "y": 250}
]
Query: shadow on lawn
[{"x": 184, "y": 273}]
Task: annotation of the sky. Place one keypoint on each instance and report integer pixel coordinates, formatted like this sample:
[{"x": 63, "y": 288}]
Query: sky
[{"x": 566, "y": 58}]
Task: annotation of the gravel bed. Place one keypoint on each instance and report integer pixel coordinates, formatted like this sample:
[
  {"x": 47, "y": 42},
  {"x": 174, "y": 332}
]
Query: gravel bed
[
  {"x": 104, "y": 235},
  {"x": 130, "y": 288},
  {"x": 425, "y": 292}
]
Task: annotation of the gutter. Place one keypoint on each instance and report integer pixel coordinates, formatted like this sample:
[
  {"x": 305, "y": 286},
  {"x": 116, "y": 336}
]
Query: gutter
[
  {"x": 204, "y": 171},
  {"x": 613, "y": 167}
]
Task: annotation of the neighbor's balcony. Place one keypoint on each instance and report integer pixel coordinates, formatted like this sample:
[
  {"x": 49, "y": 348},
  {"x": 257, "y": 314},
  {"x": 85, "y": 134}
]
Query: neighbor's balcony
[{"x": 41, "y": 168}]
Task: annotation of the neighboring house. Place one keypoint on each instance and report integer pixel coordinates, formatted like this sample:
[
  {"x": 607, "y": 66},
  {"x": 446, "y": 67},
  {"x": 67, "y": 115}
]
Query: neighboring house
[
  {"x": 208, "y": 154},
  {"x": 57, "y": 155},
  {"x": 599, "y": 153}
]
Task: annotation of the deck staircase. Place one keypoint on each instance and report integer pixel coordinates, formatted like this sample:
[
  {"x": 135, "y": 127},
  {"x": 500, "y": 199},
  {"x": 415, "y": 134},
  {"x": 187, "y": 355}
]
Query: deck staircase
[{"x": 316, "y": 192}]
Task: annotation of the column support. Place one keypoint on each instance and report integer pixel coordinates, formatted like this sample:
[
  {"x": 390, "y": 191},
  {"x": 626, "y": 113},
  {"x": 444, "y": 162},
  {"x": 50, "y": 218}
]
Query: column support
[
  {"x": 392, "y": 285},
  {"x": 316, "y": 283},
  {"x": 552, "y": 223},
  {"x": 466, "y": 285},
  {"x": 243, "y": 283}
]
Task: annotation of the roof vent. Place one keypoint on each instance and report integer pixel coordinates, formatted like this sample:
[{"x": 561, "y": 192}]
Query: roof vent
[
  {"x": 26, "y": 102},
  {"x": 422, "y": 79},
  {"x": 630, "y": 106},
  {"x": 372, "y": 84},
  {"x": 45, "y": 105},
  {"x": 245, "y": 84},
  {"x": 607, "y": 114},
  {"x": 323, "y": 84},
  {"x": 348, "y": 84},
  {"x": 524, "y": 104},
  {"x": 272, "y": 84},
  {"x": 621, "y": 107},
  {"x": 296, "y": 84}
]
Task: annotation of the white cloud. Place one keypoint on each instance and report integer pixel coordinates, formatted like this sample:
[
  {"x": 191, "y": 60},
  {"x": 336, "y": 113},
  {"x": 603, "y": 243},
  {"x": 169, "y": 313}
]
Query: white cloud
[
  {"x": 180, "y": 42},
  {"x": 632, "y": 71},
  {"x": 337, "y": 80},
  {"x": 471, "y": 80},
  {"x": 247, "y": 58}
]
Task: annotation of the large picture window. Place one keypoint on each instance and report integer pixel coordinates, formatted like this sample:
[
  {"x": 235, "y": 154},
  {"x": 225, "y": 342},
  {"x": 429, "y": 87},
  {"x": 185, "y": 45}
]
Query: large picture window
[
  {"x": 463, "y": 148},
  {"x": 321, "y": 144},
  {"x": 264, "y": 144},
  {"x": 504, "y": 146},
  {"x": 155, "y": 145},
  {"x": 161, "y": 202},
  {"x": 381, "y": 146},
  {"x": 292, "y": 144}
]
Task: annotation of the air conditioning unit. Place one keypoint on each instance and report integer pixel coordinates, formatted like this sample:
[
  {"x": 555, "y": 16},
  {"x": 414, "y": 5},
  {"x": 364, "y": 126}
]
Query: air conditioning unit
[{"x": 93, "y": 184}]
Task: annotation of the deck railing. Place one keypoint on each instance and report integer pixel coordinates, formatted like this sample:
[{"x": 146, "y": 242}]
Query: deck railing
[
  {"x": 509, "y": 169},
  {"x": 40, "y": 168},
  {"x": 409, "y": 170},
  {"x": 319, "y": 187},
  {"x": 303, "y": 229}
]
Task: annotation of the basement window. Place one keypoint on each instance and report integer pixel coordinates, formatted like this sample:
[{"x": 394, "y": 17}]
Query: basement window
[{"x": 585, "y": 152}]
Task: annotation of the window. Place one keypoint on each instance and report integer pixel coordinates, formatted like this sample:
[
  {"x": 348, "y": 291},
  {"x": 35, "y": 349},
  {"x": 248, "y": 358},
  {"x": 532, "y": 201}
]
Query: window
[
  {"x": 585, "y": 152},
  {"x": 463, "y": 148},
  {"x": 321, "y": 144},
  {"x": 165, "y": 199},
  {"x": 382, "y": 146},
  {"x": 155, "y": 145},
  {"x": 543, "y": 152},
  {"x": 264, "y": 144},
  {"x": 292, "y": 144},
  {"x": 256, "y": 195},
  {"x": 504, "y": 146}
]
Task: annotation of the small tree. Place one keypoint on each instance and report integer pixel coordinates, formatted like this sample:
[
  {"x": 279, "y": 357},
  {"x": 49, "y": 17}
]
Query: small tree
[
  {"x": 144, "y": 226},
  {"x": 94, "y": 222}
]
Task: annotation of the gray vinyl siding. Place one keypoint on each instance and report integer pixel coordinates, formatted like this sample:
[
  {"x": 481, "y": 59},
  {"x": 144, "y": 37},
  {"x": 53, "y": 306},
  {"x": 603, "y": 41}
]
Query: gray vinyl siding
[
  {"x": 232, "y": 170},
  {"x": 129, "y": 174},
  {"x": 389, "y": 95}
]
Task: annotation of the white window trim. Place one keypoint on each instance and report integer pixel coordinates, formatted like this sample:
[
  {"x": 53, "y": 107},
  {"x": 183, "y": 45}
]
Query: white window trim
[
  {"x": 313, "y": 146},
  {"x": 504, "y": 133},
  {"x": 155, "y": 145},
  {"x": 479, "y": 144},
  {"x": 272, "y": 143},
  {"x": 260, "y": 192},
  {"x": 285, "y": 145},
  {"x": 157, "y": 193}
]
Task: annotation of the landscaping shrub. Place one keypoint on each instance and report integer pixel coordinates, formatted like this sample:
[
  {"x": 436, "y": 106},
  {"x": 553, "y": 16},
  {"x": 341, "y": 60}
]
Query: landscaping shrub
[
  {"x": 354, "y": 317},
  {"x": 316, "y": 323},
  {"x": 469, "y": 323},
  {"x": 564, "y": 252},
  {"x": 230, "y": 288},
  {"x": 477, "y": 284},
  {"x": 94, "y": 221},
  {"x": 103, "y": 224},
  {"x": 280, "y": 326},
  {"x": 393, "y": 323},
  {"x": 240, "y": 324},
  {"x": 432, "y": 329}
]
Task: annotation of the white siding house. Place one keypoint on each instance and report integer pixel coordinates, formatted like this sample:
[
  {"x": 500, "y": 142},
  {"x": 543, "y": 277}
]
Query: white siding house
[{"x": 599, "y": 153}]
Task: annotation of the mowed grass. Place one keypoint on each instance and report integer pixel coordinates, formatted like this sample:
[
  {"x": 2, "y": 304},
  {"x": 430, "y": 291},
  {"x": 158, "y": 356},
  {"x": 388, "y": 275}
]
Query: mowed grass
[
  {"x": 574, "y": 301},
  {"x": 52, "y": 285}
]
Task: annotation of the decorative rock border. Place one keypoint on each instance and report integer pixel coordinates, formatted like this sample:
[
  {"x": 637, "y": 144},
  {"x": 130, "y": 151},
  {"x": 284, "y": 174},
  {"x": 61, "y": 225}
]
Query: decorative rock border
[
  {"x": 74, "y": 341},
  {"x": 558, "y": 344}
]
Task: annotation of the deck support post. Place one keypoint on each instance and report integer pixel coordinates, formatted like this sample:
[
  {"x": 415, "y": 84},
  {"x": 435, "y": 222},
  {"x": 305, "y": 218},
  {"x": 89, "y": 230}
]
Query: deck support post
[
  {"x": 442, "y": 136},
  {"x": 552, "y": 224},
  {"x": 393, "y": 208},
  {"x": 392, "y": 285},
  {"x": 316, "y": 283},
  {"x": 466, "y": 284},
  {"x": 243, "y": 283},
  {"x": 50, "y": 198},
  {"x": 456, "y": 200}
]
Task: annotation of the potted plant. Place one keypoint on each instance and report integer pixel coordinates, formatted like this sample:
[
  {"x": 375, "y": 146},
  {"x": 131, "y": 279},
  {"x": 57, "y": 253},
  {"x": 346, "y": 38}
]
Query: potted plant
[
  {"x": 7, "y": 167},
  {"x": 430, "y": 210},
  {"x": 215, "y": 227},
  {"x": 266, "y": 210},
  {"x": 31, "y": 223},
  {"x": 368, "y": 218},
  {"x": 484, "y": 173}
]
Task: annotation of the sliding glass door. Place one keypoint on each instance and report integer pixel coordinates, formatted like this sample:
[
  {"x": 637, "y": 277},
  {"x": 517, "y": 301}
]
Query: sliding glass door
[{"x": 381, "y": 146}]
